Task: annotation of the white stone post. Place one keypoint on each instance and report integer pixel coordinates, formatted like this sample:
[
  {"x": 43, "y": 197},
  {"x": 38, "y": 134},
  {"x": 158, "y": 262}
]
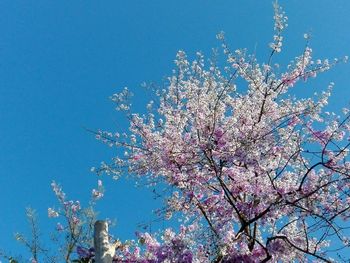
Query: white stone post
[{"x": 104, "y": 251}]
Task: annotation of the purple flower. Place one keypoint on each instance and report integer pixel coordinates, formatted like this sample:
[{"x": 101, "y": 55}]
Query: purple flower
[
  {"x": 218, "y": 133},
  {"x": 239, "y": 259},
  {"x": 186, "y": 257},
  {"x": 163, "y": 253},
  {"x": 85, "y": 253}
]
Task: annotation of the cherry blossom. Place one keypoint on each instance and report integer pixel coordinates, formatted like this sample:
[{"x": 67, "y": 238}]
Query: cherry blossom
[{"x": 257, "y": 175}]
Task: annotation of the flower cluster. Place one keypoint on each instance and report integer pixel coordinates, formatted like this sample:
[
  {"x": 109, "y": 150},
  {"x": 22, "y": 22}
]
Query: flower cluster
[
  {"x": 98, "y": 193},
  {"x": 75, "y": 226},
  {"x": 70, "y": 209},
  {"x": 280, "y": 24},
  {"x": 259, "y": 173}
]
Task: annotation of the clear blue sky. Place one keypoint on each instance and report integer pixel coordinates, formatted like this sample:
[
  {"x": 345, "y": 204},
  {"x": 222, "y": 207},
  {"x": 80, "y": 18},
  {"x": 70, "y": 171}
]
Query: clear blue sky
[{"x": 61, "y": 60}]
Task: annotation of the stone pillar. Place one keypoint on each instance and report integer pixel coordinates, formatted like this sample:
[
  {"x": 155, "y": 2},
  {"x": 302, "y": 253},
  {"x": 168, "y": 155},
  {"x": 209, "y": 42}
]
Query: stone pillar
[{"x": 104, "y": 251}]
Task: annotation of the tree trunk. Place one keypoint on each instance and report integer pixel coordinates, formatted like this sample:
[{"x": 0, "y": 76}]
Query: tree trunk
[{"x": 104, "y": 252}]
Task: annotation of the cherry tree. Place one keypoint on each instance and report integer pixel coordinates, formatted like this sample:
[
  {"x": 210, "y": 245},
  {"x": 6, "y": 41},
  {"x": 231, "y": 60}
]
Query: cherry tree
[{"x": 256, "y": 175}]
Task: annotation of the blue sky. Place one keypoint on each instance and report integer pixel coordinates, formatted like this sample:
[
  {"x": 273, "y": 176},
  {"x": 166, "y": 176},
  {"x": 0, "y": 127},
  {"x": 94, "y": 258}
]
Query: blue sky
[{"x": 61, "y": 60}]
